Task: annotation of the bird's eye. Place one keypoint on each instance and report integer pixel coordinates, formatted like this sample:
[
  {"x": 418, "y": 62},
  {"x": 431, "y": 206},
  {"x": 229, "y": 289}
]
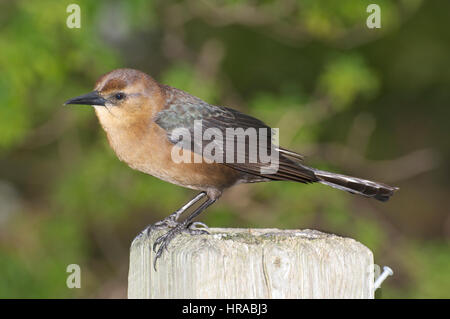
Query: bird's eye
[{"x": 119, "y": 96}]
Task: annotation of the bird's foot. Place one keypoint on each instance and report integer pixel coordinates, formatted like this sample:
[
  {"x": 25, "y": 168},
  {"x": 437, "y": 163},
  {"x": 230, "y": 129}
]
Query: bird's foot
[
  {"x": 164, "y": 240},
  {"x": 168, "y": 222}
]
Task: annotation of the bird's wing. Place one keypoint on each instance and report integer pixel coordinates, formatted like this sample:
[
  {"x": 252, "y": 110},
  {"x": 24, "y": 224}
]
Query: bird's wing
[{"x": 189, "y": 114}]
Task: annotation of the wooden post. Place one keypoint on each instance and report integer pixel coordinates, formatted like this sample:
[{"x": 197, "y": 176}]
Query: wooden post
[{"x": 252, "y": 263}]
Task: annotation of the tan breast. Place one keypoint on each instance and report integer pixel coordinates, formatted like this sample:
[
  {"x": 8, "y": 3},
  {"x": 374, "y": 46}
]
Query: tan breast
[{"x": 144, "y": 146}]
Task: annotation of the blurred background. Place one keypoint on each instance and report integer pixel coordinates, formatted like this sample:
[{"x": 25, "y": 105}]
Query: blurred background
[{"x": 372, "y": 103}]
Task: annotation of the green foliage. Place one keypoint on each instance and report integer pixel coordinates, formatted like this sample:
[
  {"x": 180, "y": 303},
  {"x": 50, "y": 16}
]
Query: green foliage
[
  {"x": 427, "y": 263},
  {"x": 35, "y": 58},
  {"x": 330, "y": 20},
  {"x": 184, "y": 77},
  {"x": 345, "y": 78},
  {"x": 307, "y": 67}
]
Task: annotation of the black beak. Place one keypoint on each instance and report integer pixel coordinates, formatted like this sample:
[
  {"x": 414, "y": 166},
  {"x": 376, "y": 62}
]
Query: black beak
[{"x": 92, "y": 98}]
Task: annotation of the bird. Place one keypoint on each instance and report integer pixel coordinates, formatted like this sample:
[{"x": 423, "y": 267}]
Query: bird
[{"x": 143, "y": 120}]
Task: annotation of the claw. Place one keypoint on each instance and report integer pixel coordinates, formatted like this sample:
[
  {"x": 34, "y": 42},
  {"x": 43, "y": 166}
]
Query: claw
[
  {"x": 163, "y": 242},
  {"x": 195, "y": 225},
  {"x": 168, "y": 222},
  {"x": 148, "y": 230},
  {"x": 194, "y": 229},
  {"x": 159, "y": 240}
]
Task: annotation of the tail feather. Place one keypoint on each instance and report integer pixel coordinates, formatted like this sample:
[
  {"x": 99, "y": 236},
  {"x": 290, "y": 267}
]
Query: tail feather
[{"x": 355, "y": 185}]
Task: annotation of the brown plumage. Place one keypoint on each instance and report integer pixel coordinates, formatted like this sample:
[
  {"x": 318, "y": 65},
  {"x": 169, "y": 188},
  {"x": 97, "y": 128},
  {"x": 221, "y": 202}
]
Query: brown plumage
[{"x": 141, "y": 116}]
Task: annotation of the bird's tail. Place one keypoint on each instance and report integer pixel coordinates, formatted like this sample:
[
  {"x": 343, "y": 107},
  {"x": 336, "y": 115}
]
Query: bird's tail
[{"x": 355, "y": 185}]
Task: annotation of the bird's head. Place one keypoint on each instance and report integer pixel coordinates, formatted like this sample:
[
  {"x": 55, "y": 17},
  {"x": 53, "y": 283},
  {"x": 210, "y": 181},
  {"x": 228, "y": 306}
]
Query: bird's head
[{"x": 123, "y": 96}]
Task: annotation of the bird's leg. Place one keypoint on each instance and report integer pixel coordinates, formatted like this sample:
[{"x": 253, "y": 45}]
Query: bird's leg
[
  {"x": 171, "y": 221},
  {"x": 164, "y": 240}
]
